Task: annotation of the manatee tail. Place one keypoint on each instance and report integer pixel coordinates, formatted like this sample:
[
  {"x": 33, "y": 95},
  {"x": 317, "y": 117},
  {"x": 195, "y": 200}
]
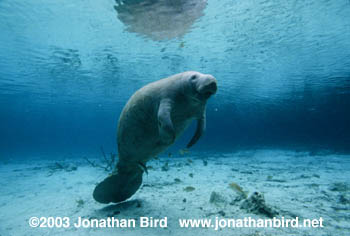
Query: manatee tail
[{"x": 120, "y": 186}]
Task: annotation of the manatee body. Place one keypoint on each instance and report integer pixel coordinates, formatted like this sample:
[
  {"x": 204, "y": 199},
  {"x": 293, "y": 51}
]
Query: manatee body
[{"x": 153, "y": 118}]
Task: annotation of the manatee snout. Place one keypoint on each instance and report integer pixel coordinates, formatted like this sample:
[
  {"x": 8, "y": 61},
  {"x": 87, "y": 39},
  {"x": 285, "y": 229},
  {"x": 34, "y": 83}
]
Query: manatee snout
[{"x": 208, "y": 87}]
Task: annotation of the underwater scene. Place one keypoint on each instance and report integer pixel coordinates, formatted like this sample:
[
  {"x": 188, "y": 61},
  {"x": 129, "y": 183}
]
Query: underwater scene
[{"x": 175, "y": 117}]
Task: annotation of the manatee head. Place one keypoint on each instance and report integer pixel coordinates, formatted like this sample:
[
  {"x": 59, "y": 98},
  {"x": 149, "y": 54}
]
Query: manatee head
[{"x": 200, "y": 87}]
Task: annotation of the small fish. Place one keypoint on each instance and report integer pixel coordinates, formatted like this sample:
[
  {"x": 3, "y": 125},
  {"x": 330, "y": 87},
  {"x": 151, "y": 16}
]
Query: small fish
[
  {"x": 238, "y": 189},
  {"x": 182, "y": 44},
  {"x": 150, "y": 168},
  {"x": 169, "y": 154},
  {"x": 189, "y": 189},
  {"x": 114, "y": 172},
  {"x": 183, "y": 151}
]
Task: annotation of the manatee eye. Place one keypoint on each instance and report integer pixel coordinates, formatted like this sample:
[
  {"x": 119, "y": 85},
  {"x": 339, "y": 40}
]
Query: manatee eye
[{"x": 193, "y": 77}]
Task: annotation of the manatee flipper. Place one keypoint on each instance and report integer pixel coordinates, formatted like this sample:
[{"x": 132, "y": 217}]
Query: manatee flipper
[
  {"x": 118, "y": 187},
  {"x": 201, "y": 125},
  {"x": 165, "y": 125}
]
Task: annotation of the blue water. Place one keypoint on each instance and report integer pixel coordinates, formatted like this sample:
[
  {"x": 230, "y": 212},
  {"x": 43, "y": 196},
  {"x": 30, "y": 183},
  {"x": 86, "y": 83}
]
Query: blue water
[{"x": 67, "y": 69}]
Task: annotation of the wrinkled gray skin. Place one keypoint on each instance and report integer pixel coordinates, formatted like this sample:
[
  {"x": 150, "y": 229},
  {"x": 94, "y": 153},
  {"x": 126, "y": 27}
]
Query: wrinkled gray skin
[{"x": 154, "y": 117}]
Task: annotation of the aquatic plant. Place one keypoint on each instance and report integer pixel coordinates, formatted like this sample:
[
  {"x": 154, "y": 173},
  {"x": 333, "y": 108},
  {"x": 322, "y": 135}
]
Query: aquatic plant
[
  {"x": 256, "y": 204},
  {"x": 205, "y": 162},
  {"x": 340, "y": 187},
  {"x": 165, "y": 167},
  {"x": 60, "y": 167},
  {"x": 216, "y": 198},
  {"x": 108, "y": 163},
  {"x": 80, "y": 203}
]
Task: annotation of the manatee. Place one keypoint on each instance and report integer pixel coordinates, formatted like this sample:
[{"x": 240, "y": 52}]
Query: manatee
[{"x": 153, "y": 118}]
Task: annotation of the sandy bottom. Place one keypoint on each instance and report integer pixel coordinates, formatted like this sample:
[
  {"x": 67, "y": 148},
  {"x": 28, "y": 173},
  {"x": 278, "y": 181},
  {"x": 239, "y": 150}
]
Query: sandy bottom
[{"x": 294, "y": 184}]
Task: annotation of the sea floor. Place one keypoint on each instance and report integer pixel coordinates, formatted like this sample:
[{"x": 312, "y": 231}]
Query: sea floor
[{"x": 260, "y": 184}]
